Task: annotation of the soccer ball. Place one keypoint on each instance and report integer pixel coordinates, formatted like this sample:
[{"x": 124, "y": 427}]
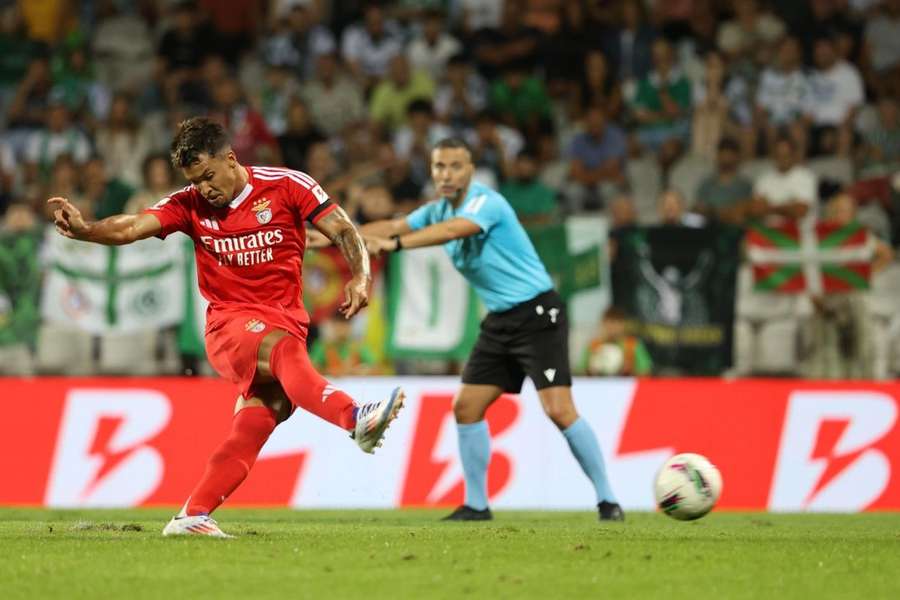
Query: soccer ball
[{"x": 687, "y": 486}]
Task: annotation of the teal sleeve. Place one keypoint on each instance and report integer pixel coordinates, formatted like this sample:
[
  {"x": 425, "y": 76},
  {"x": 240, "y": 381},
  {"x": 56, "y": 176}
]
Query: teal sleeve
[{"x": 421, "y": 217}]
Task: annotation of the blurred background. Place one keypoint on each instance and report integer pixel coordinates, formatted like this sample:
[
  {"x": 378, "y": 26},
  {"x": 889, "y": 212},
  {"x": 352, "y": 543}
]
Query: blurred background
[{"x": 713, "y": 185}]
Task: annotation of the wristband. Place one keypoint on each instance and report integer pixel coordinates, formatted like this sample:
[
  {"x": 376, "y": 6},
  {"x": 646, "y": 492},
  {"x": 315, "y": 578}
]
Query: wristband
[{"x": 396, "y": 238}]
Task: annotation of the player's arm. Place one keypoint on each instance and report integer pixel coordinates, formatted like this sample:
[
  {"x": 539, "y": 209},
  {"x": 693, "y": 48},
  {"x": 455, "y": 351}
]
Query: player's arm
[
  {"x": 432, "y": 235},
  {"x": 111, "y": 231},
  {"x": 338, "y": 227}
]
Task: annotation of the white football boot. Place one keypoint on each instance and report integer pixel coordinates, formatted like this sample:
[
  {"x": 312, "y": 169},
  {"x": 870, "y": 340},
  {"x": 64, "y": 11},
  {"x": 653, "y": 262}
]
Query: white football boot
[
  {"x": 196, "y": 525},
  {"x": 373, "y": 419}
]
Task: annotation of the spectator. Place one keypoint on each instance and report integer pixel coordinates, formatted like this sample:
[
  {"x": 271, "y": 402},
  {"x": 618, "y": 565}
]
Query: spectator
[
  {"x": 662, "y": 106},
  {"x": 338, "y": 352},
  {"x": 615, "y": 352},
  {"x": 235, "y": 23},
  {"x": 75, "y": 82},
  {"x": 783, "y": 95},
  {"x": 534, "y": 202},
  {"x": 20, "y": 285},
  {"x": 564, "y": 52},
  {"x": 122, "y": 47},
  {"x": 494, "y": 145},
  {"x": 274, "y": 96},
  {"x": 836, "y": 94},
  {"x": 622, "y": 213},
  {"x": 49, "y": 22},
  {"x": 251, "y": 139},
  {"x": 335, "y": 101},
  {"x": 882, "y": 49},
  {"x": 299, "y": 42},
  {"x": 414, "y": 140},
  {"x": 719, "y": 110},
  {"x": 882, "y": 142},
  {"x": 391, "y": 97},
  {"x": 725, "y": 195},
  {"x": 511, "y": 43},
  {"x": 59, "y": 136},
  {"x": 789, "y": 191},
  {"x": 672, "y": 210},
  {"x": 298, "y": 136},
  {"x": 630, "y": 49},
  {"x": 369, "y": 47},
  {"x": 121, "y": 143},
  {"x": 158, "y": 181},
  {"x": 16, "y": 53},
  {"x": 433, "y": 47},
  {"x": 553, "y": 168},
  {"x": 751, "y": 32},
  {"x": 374, "y": 202},
  {"x": 65, "y": 182},
  {"x": 598, "y": 85},
  {"x": 521, "y": 98},
  {"x": 107, "y": 195},
  {"x": 840, "y": 344},
  {"x": 395, "y": 172},
  {"x": 31, "y": 100},
  {"x": 182, "y": 49},
  {"x": 462, "y": 95},
  {"x": 597, "y": 162}
]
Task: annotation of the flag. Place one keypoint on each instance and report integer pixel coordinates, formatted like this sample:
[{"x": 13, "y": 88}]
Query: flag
[
  {"x": 677, "y": 284},
  {"x": 433, "y": 311},
  {"x": 829, "y": 258},
  {"x": 103, "y": 289}
]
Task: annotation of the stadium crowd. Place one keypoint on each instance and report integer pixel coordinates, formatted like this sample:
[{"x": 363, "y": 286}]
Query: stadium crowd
[{"x": 676, "y": 112}]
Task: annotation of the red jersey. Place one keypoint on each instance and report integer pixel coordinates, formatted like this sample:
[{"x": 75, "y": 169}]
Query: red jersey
[{"x": 250, "y": 252}]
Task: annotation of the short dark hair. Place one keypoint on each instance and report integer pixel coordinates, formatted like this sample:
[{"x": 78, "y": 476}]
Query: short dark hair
[
  {"x": 454, "y": 142},
  {"x": 196, "y": 136}
]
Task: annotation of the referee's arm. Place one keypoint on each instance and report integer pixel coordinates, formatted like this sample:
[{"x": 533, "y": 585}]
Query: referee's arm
[
  {"x": 435, "y": 235},
  {"x": 385, "y": 228}
]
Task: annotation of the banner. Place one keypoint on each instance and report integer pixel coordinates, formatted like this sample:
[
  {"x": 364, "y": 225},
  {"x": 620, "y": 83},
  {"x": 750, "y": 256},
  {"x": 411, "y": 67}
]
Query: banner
[
  {"x": 102, "y": 289},
  {"x": 432, "y": 310},
  {"x": 780, "y": 445},
  {"x": 830, "y": 258},
  {"x": 574, "y": 253},
  {"x": 678, "y": 285}
]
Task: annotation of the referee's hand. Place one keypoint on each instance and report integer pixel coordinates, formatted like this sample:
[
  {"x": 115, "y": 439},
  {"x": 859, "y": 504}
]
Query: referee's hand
[{"x": 377, "y": 246}]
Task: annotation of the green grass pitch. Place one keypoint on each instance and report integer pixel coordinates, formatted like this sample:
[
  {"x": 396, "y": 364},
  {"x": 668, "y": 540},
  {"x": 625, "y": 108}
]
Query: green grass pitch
[{"x": 409, "y": 554}]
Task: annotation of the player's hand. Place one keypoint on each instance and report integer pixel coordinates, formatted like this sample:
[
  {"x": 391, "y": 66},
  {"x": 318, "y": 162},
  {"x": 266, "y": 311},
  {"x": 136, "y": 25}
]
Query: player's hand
[
  {"x": 377, "y": 246},
  {"x": 67, "y": 218},
  {"x": 356, "y": 296}
]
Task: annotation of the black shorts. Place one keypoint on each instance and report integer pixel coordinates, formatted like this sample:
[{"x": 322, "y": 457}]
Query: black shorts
[{"x": 529, "y": 339}]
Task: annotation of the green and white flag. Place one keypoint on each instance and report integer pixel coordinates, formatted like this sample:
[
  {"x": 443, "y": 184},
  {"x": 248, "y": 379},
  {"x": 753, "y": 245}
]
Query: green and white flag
[
  {"x": 433, "y": 311},
  {"x": 103, "y": 289}
]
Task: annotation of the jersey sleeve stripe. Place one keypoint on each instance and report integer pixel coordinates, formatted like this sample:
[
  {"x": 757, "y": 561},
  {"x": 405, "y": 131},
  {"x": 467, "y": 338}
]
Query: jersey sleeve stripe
[
  {"x": 266, "y": 171},
  {"x": 321, "y": 210},
  {"x": 285, "y": 176}
]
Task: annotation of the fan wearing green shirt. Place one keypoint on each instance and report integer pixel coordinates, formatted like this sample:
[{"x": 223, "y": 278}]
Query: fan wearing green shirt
[{"x": 534, "y": 202}]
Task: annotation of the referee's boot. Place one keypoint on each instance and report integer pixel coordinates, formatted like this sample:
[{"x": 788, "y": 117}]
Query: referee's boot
[
  {"x": 467, "y": 513},
  {"x": 610, "y": 511}
]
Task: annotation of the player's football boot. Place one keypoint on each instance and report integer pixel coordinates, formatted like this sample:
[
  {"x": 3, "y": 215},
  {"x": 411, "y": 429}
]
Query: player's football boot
[
  {"x": 195, "y": 525},
  {"x": 610, "y": 511},
  {"x": 467, "y": 513},
  {"x": 373, "y": 419}
]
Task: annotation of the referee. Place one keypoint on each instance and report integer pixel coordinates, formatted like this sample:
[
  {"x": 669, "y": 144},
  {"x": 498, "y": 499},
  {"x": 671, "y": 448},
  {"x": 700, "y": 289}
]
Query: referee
[{"x": 525, "y": 333}]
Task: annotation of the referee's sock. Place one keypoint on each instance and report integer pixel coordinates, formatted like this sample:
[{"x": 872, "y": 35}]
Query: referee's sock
[
  {"x": 587, "y": 452},
  {"x": 475, "y": 451}
]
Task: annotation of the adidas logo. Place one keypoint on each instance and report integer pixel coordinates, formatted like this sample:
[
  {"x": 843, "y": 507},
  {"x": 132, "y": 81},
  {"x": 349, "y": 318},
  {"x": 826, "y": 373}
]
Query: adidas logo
[{"x": 550, "y": 374}]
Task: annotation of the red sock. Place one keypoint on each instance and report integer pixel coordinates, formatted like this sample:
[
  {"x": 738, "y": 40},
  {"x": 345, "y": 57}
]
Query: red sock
[
  {"x": 307, "y": 389},
  {"x": 232, "y": 461}
]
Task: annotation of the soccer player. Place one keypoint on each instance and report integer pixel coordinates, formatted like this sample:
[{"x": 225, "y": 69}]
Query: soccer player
[
  {"x": 248, "y": 232},
  {"x": 525, "y": 333}
]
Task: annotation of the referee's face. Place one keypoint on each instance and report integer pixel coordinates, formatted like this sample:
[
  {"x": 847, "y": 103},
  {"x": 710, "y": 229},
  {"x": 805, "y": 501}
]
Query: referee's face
[{"x": 451, "y": 170}]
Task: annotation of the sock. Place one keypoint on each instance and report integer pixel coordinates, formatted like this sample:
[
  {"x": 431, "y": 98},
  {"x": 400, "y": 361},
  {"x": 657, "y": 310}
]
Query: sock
[
  {"x": 307, "y": 389},
  {"x": 232, "y": 461},
  {"x": 475, "y": 452},
  {"x": 586, "y": 450}
]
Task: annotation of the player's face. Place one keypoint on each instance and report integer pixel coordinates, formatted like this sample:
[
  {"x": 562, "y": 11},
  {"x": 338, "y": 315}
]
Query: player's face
[
  {"x": 451, "y": 170},
  {"x": 214, "y": 177}
]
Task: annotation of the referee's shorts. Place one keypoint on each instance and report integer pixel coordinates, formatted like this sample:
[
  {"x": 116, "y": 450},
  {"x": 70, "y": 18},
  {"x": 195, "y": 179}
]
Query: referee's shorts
[{"x": 530, "y": 339}]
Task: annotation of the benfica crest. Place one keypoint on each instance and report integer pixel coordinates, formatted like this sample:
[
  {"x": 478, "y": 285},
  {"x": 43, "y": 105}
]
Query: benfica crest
[{"x": 262, "y": 210}]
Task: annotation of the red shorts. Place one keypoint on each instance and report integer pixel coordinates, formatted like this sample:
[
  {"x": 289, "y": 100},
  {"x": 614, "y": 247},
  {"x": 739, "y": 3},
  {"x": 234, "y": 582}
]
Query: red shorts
[{"x": 233, "y": 336}]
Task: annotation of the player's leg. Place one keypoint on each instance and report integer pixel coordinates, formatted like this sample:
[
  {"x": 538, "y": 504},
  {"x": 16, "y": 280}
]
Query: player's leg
[
  {"x": 542, "y": 350},
  {"x": 488, "y": 373},
  {"x": 558, "y": 404},
  {"x": 254, "y": 420},
  {"x": 283, "y": 357},
  {"x": 469, "y": 406}
]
